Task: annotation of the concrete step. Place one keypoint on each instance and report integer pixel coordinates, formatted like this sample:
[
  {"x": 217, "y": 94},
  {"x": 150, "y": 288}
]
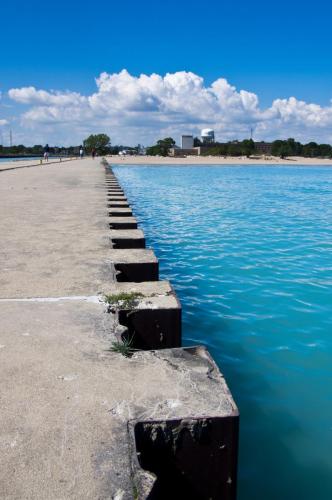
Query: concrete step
[
  {"x": 187, "y": 447},
  {"x": 135, "y": 265},
  {"x": 116, "y": 197},
  {"x": 120, "y": 212},
  {"x": 122, "y": 223},
  {"x": 151, "y": 313},
  {"x": 119, "y": 204},
  {"x": 127, "y": 238}
]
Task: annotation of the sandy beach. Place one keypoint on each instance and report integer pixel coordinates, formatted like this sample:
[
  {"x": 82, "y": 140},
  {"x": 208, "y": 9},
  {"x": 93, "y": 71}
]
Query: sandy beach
[
  {"x": 214, "y": 160},
  {"x": 169, "y": 160}
]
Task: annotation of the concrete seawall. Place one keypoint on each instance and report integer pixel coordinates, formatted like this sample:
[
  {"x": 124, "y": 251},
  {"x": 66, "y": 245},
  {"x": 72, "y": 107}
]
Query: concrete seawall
[{"x": 99, "y": 399}]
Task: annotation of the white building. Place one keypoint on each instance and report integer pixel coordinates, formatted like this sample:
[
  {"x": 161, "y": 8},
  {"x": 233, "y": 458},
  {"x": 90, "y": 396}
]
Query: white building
[{"x": 187, "y": 141}]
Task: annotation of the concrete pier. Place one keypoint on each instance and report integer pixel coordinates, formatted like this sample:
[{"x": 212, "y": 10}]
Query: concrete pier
[
  {"x": 116, "y": 197},
  {"x": 119, "y": 204},
  {"x": 122, "y": 222},
  {"x": 78, "y": 419},
  {"x": 136, "y": 264},
  {"x": 127, "y": 238},
  {"x": 154, "y": 320},
  {"x": 120, "y": 212}
]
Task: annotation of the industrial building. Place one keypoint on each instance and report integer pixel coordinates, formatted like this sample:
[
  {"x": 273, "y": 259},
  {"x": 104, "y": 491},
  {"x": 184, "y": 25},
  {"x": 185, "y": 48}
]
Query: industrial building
[{"x": 187, "y": 141}]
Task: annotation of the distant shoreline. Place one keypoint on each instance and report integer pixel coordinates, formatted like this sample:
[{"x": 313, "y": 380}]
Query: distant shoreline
[
  {"x": 215, "y": 160},
  {"x": 169, "y": 160}
]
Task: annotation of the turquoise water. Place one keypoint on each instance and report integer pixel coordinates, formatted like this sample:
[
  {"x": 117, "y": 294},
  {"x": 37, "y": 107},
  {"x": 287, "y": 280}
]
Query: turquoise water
[
  {"x": 249, "y": 251},
  {"x": 19, "y": 158}
]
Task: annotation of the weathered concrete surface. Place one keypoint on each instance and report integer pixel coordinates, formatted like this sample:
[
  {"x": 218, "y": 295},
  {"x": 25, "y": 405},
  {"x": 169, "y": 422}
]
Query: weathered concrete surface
[
  {"x": 154, "y": 294},
  {"x": 122, "y": 222},
  {"x": 137, "y": 264},
  {"x": 116, "y": 197},
  {"x": 58, "y": 437},
  {"x": 152, "y": 318},
  {"x": 192, "y": 452},
  {"x": 121, "y": 212},
  {"x": 65, "y": 400},
  {"x": 16, "y": 164},
  {"x": 119, "y": 204},
  {"x": 127, "y": 238},
  {"x": 52, "y": 224}
]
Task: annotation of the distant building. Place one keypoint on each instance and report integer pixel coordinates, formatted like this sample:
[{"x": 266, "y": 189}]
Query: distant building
[
  {"x": 207, "y": 136},
  {"x": 263, "y": 148},
  {"x": 182, "y": 153},
  {"x": 187, "y": 141}
]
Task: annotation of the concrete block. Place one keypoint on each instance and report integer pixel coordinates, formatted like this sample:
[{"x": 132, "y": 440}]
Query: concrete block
[
  {"x": 127, "y": 238},
  {"x": 123, "y": 223},
  {"x": 116, "y": 197},
  {"x": 135, "y": 265},
  {"x": 189, "y": 451},
  {"x": 120, "y": 212},
  {"x": 119, "y": 204},
  {"x": 153, "y": 320}
]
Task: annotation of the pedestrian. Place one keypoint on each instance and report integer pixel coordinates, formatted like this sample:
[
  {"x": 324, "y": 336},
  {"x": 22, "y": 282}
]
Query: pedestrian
[
  {"x": 81, "y": 152},
  {"x": 93, "y": 153},
  {"x": 46, "y": 152}
]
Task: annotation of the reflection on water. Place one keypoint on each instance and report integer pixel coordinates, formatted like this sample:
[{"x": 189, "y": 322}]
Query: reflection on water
[{"x": 248, "y": 250}]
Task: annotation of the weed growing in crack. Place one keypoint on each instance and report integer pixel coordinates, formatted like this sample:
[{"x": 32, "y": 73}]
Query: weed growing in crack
[
  {"x": 124, "y": 347},
  {"x": 123, "y": 300}
]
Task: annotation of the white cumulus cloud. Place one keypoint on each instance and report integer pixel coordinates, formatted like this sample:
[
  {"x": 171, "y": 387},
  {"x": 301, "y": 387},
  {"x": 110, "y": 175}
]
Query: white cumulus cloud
[{"x": 142, "y": 109}]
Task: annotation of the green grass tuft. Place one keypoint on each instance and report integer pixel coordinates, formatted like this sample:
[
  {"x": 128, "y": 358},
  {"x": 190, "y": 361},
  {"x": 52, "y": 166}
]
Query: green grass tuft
[
  {"x": 123, "y": 300},
  {"x": 124, "y": 347}
]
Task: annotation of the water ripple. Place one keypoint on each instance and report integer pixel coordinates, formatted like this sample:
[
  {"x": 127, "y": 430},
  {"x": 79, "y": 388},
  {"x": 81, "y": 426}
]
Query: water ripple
[{"x": 248, "y": 250}]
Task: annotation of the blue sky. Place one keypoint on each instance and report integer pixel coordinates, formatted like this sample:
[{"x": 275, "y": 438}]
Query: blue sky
[{"x": 275, "y": 50}]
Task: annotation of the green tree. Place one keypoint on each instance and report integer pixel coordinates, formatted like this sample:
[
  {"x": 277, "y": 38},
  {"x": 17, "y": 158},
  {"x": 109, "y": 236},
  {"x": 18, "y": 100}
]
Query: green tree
[
  {"x": 197, "y": 142},
  {"x": 248, "y": 147},
  {"x": 162, "y": 147},
  {"x": 100, "y": 142},
  {"x": 285, "y": 150},
  {"x": 234, "y": 148},
  {"x": 311, "y": 149},
  {"x": 325, "y": 150}
]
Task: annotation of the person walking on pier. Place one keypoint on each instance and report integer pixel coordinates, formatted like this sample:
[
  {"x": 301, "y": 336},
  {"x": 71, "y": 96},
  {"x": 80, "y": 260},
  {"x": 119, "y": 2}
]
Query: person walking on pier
[
  {"x": 46, "y": 152},
  {"x": 81, "y": 152},
  {"x": 93, "y": 153}
]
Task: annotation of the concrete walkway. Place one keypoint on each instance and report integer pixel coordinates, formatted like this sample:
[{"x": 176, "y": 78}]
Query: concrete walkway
[
  {"x": 66, "y": 399},
  {"x": 24, "y": 163}
]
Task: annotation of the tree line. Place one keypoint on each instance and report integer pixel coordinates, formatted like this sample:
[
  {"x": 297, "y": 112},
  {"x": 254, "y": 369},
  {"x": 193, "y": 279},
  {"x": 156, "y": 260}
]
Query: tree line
[
  {"x": 281, "y": 148},
  {"x": 248, "y": 147},
  {"x": 290, "y": 147},
  {"x": 101, "y": 144}
]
